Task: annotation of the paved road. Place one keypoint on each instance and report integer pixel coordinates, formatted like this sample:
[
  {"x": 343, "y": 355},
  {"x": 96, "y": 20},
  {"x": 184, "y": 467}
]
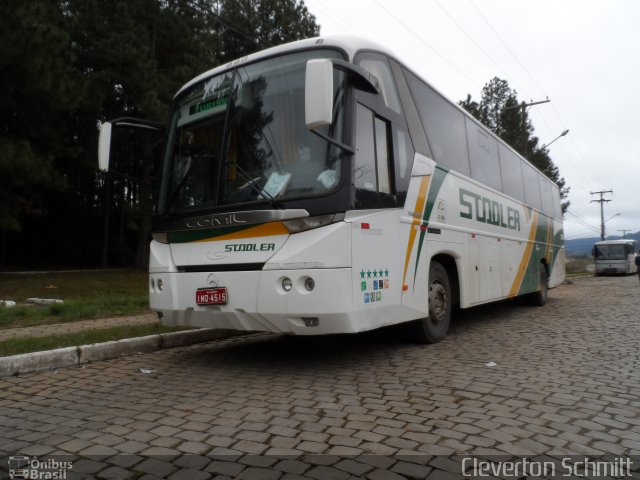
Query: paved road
[{"x": 566, "y": 381}]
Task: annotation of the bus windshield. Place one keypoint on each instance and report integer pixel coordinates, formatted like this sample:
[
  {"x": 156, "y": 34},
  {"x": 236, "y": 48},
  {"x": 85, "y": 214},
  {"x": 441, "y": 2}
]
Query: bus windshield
[
  {"x": 240, "y": 138},
  {"x": 610, "y": 252}
]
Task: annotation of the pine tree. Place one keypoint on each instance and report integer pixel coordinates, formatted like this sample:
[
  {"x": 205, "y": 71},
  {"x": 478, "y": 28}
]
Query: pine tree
[
  {"x": 66, "y": 66},
  {"x": 500, "y": 111}
]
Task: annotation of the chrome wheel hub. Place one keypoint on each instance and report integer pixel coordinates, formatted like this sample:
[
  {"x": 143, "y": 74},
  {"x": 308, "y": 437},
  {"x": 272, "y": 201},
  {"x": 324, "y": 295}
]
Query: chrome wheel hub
[{"x": 438, "y": 301}]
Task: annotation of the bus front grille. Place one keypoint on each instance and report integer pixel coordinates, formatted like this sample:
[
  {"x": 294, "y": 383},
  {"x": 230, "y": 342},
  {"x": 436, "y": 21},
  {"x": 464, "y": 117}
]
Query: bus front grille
[{"x": 234, "y": 267}]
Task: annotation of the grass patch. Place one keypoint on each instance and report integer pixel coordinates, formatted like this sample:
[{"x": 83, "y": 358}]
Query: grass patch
[
  {"x": 17, "y": 346},
  {"x": 86, "y": 295},
  {"x": 579, "y": 266}
]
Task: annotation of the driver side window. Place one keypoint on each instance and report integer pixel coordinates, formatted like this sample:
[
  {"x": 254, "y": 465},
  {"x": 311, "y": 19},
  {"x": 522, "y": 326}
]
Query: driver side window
[{"x": 372, "y": 175}]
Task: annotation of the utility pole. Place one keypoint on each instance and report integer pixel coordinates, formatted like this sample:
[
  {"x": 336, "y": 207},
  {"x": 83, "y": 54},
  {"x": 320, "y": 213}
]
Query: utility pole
[
  {"x": 601, "y": 201},
  {"x": 523, "y": 106},
  {"x": 624, "y": 233}
]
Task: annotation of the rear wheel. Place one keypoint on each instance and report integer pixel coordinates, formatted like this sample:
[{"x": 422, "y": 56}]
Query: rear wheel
[
  {"x": 540, "y": 297},
  {"x": 434, "y": 328}
]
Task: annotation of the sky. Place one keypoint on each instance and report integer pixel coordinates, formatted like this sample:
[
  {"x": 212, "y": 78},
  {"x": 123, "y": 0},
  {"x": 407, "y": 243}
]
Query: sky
[{"x": 584, "y": 55}]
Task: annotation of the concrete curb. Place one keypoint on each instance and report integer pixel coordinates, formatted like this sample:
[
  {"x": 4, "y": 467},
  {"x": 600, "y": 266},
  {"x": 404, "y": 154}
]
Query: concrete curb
[{"x": 69, "y": 356}]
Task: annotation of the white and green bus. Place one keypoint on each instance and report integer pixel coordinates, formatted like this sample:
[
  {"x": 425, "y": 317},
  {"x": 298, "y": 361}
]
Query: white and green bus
[{"x": 323, "y": 187}]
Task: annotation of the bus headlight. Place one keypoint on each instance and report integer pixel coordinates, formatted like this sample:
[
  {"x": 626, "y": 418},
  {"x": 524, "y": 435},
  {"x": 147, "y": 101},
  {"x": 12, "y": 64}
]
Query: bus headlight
[
  {"x": 307, "y": 223},
  {"x": 287, "y": 284},
  {"x": 160, "y": 237}
]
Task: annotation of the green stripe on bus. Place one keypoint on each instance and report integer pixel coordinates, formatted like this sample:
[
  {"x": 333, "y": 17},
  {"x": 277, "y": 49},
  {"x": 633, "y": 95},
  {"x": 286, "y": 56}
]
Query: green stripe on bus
[
  {"x": 434, "y": 189},
  {"x": 531, "y": 280}
]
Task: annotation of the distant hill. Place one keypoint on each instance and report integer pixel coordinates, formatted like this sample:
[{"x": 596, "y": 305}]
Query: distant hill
[{"x": 582, "y": 246}]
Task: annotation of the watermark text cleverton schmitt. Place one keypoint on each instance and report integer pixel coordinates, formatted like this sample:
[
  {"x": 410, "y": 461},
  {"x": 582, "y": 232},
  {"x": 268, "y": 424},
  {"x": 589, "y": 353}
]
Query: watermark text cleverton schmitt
[{"x": 565, "y": 467}]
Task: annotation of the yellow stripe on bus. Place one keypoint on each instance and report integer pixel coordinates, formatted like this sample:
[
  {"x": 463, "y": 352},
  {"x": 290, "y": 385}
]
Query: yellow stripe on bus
[
  {"x": 549, "y": 252},
  {"x": 524, "y": 261},
  {"x": 417, "y": 220},
  {"x": 265, "y": 230}
]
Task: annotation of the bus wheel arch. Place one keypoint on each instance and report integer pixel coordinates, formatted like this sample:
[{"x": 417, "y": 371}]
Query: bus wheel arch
[
  {"x": 443, "y": 295},
  {"x": 448, "y": 262}
]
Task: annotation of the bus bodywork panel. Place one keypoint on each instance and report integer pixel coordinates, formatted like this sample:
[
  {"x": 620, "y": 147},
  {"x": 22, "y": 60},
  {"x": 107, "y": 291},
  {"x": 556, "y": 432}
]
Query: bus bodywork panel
[
  {"x": 257, "y": 300},
  {"x": 499, "y": 245},
  {"x": 368, "y": 271}
]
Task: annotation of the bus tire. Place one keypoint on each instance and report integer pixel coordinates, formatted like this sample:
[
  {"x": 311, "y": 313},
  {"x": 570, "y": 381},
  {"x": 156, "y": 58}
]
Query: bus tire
[
  {"x": 540, "y": 297},
  {"x": 434, "y": 328}
]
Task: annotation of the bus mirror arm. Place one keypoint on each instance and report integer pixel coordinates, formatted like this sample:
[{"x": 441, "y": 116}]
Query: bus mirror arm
[
  {"x": 318, "y": 93},
  {"x": 104, "y": 140}
]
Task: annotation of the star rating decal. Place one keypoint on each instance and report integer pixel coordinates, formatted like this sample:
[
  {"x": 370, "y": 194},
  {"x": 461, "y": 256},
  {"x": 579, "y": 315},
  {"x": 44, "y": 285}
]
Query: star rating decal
[
  {"x": 376, "y": 273},
  {"x": 372, "y": 290}
]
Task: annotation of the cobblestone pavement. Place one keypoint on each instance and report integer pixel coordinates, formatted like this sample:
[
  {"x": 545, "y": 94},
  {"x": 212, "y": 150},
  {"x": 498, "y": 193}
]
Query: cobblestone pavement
[{"x": 566, "y": 381}]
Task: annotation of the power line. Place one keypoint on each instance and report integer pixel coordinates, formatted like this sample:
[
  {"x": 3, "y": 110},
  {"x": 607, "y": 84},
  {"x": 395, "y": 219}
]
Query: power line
[
  {"x": 582, "y": 222},
  {"x": 555, "y": 110},
  {"x": 585, "y": 210},
  {"x": 336, "y": 18},
  {"x": 507, "y": 47},
  {"x": 424, "y": 42},
  {"x": 582, "y": 236},
  {"x": 463, "y": 30}
]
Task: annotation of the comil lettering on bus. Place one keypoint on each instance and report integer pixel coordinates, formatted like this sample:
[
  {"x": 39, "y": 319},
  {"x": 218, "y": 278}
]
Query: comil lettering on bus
[{"x": 488, "y": 211}]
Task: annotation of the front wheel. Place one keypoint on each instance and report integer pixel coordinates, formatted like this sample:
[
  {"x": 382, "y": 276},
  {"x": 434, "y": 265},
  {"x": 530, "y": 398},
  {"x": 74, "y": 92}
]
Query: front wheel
[{"x": 434, "y": 328}]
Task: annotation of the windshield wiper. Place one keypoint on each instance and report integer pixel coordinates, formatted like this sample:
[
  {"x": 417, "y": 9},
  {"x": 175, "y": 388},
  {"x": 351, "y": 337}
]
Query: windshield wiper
[
  {"x": 256, "y": 187},
  {"x": 183, "y": 182}
]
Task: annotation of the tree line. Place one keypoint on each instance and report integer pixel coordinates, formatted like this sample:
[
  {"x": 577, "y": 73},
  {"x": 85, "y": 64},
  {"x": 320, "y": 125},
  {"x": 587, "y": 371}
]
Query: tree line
[{"x": 68, "y": 65}]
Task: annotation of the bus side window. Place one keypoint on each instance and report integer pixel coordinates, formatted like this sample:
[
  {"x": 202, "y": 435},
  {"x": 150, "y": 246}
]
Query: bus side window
[
  {"x": 398, "y": 145},
  {"x": 372, "y": 175},
  {"x": 382, "y": 155},
  {"x": 379, "y": 68},
  {"x": 444, "y": 126}
]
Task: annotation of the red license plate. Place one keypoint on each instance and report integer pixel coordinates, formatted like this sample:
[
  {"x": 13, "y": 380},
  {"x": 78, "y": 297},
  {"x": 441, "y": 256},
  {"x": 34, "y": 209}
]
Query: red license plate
[{"x": 211, "y": 296}]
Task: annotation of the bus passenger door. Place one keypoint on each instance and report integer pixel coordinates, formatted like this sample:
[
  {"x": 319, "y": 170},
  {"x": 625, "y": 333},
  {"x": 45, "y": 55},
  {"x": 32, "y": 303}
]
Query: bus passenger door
[{"x": 375, "y": 252}]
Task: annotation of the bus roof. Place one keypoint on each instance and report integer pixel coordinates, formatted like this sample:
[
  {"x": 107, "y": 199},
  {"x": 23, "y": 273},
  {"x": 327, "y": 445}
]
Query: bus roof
[
  {"x": 622, "y": 241},
  {"x": 349, "y": 45}
]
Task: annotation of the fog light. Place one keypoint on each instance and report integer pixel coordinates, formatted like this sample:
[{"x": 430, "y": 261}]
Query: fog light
[
  {"x": 153, "y": 285},
  {"x": 159, "y": 283},
  {"x": 311, "y": 321},
  {"x": 309, "y": 284},
  {"x": 287, "y": 284}
]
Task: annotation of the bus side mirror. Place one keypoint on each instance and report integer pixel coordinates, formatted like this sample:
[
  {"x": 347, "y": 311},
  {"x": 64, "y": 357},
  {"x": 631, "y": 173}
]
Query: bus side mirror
[
  {"x": 318, "y": 93},
  {"x": 104, "y": 147},
  {"x": 318, "y": 88}
]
